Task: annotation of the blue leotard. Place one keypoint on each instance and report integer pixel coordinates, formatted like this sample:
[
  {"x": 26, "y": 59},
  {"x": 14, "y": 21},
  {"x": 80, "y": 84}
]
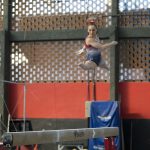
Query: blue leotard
[{"x": 93, "y": 54}]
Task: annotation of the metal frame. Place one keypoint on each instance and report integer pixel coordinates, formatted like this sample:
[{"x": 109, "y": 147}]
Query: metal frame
[
  {"x": 114, "y": 55},
  {"x": 78, "y": 34},
  {"x": 5, "y": 56}
]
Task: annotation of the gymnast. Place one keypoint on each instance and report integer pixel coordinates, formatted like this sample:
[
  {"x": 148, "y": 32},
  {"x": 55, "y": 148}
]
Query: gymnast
[{"x": 92, "y": 48}]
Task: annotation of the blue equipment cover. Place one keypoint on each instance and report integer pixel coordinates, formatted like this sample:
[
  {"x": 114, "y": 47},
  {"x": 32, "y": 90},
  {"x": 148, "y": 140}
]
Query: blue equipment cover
[{"x": 104, "y": 114}]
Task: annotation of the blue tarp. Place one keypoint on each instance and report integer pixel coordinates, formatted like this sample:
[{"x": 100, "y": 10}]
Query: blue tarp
[{"x": 104, "y": 114}]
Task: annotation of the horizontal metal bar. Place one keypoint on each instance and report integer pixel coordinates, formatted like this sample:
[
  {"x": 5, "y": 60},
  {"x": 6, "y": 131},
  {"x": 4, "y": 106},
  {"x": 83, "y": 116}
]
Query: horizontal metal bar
[
  {"x": 47, "y": 35},
  {"x": 134, "y": 32},
  {"x": 124, "y": 32},
  {"x": 76, "y": 34},
  {"x": 54, "y": 136}
]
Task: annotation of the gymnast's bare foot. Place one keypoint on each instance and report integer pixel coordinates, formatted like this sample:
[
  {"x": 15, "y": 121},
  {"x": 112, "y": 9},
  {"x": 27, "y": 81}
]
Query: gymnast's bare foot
[{"x": 88, "y": 65}]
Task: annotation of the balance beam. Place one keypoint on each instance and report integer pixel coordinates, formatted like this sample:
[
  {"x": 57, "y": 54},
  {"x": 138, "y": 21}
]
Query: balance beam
[{"x": 56, "y": 136}]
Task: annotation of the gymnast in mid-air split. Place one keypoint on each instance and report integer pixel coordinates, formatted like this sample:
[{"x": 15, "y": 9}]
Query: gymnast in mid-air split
[{"x": 92, "y": 48}]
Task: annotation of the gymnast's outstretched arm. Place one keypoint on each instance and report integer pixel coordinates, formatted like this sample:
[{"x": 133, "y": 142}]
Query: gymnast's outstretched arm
[{"x": 94, "y": 43}]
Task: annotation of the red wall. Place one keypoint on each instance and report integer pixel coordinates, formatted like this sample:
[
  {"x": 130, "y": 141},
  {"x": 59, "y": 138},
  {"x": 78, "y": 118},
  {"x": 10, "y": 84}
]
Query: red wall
[
  {"x": 67, "y": 100},
  {"x": 135, "y": 99}
]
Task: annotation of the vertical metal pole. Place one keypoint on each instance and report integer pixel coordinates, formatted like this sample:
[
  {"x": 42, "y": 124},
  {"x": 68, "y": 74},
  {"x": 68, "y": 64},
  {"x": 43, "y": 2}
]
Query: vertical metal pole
[
  {"x": 8, "y": 123},
  {"x": 114, "y": 56},
  {"x": 24, "y": 107},
  {"x": 94, "y": 86},
  {"x": 5, "y": 59},
  {"x": 88, "y": 86}
]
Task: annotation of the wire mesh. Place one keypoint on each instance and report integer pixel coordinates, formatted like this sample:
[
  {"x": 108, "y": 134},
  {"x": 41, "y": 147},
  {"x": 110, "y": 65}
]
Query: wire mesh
[
  {"x": 30, "y": 15},
  {"x": 50, "y": 62},
  {"x": 134, "y": 59},
  {"x": 133, "y": 5},
  {"x": 1, "y": 14},
  {"x": 134, "y": 13},
  {"x": 40, "y": 61}
]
